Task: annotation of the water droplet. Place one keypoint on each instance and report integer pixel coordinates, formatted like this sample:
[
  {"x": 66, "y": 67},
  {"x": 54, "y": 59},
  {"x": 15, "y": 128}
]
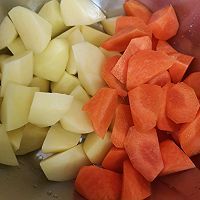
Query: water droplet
[{"x": 191, "y": 25}]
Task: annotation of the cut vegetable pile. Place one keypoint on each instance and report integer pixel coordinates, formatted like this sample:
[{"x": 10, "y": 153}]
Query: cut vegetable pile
[{"x": 103, "y": 103}]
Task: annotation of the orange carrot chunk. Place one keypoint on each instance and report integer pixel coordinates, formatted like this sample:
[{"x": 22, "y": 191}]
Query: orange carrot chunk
[
  {"x": 144, "y": 152},
  {"x": 123, "y": 121},
  {"x": 137, "y": 9},
  {"x": 136, "y": 44},
  {"x": 182, "y": 103},
  {"x": 175, "y": 137},
  {"x": 165, "y": 47},
  {"x": 145, "y": 102},
  {"x": 110, "y": 79},
  {"x": 189, "y": 137},
  {"x": 164, "y": 23},
  {"x": 120, "y": 40},
  {"x": 161, "y": 79},
  {"x": 164, "y": 123},
  {"x": 193, "y": 80},
  {"x": 101, "y": 109},
  {"x": 114, "y": 159},
  {"x": 145, "y": 65},
  {"x": 134, "y": 185},
  {"x": 174, "y": 159},
  {"x": 95, "y": 183}
]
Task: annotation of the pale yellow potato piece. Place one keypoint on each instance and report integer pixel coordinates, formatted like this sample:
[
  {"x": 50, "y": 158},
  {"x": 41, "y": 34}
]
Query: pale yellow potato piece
[
  {"x": 96, "y": 148},
  {"x": 94, "y": 36},
  {"x": 71, "y": 65},
  {"x": 109, "y": 53},
  {"x": 59, "y": 140},
  {"x": 34, "y": 31},
  {"x": 16, "y": 105},
  {"x": 8, "y": 32},
  {"x": 66, "y": 34},
  {"x": 80, "y": 12},
  {"x": 76, "y": 120},
  {"x": 7, "y": 155},
  {"x": 75, "y": 37},
  {"x": 66, "y": 84},
  {"x": 52, "y": 62},
  {"x": 109, "y": 25},
  {"x": 18, "y": 69},
  {"x": 65, "y": 166},
  {"x": 89, "y": 59},
  {"x": 51, "y": 12},
  {"x": 41, "y": 83},
  {"x": 2, "y": 58},
  {"x": 32, "y": 139},
  {"x": 48, "y": 108},
  {"x": 17, "y": 46}
]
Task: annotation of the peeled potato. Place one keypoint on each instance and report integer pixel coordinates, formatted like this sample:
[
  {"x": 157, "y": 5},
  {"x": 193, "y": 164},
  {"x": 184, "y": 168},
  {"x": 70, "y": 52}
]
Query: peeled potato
[
  {"x": 109, "y": 25},
  {"x": 41, "y": 83},
  {"x": 34, "y": 31},
  {"x": 75, "y": 37},
  {"x": 17, "y": 46},
  {"x": 66, "y": 34},
  {"x": 109, "y": 53},
  {"x": 65, "y": 166},
  {"x": 48, "y": 108},
  {"x": 80, "y": 94},
  {"x": 71, "y": 65},
  {"x": 2, "y": 58}
]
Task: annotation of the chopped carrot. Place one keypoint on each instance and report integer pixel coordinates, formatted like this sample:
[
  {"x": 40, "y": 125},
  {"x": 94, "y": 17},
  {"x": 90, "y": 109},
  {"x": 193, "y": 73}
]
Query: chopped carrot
[
  {"x": 110, "y": 79},
  {"x": 182, "y": 104},
  {"x": 123, "y": 121},
  {"x": 134, "y": 186},
  {"x": 164, "y": 123},
  {"x": 174, "y": 158},
  {"x": 114, "y": 159},
  {"x": 144, "y": 152},
  {"x": 161, "y": 79},
  {"x": 175, "y": 137},
  {"x": 136, "y": 44},
  {"x": 145, "y": 65},
  {"x": 154, "y": 42},
  {"x": 165, "y": 47},
  {"x": 164, "y": 23},
  {"x": 137, "y": 9},
  {"x": 120, "y": 40},
  {"x": 163, "y": 135},
  {"x": 95, "y": 183},
  {"x": 193, "y": 80},
  {"x": 189, "y": 137},
  {"x": 145, "y": 102},
  {"x": 101, "y": 109}
]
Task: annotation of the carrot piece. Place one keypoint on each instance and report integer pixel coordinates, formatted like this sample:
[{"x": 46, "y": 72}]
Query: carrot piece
[
  {"x": 136, "y": 44},
  {"x": 137, "y": 9},
  {"x": 163, "y": 135},
  {"x": 174, "y": 159},
  {"x": 110, "y": 79},
  {"x": 175, "y": 137},
  {"x": 145, "y": 102},
  {"x": 164, "y": 123},
  {"x": 101, "y": 109},
  {"x": 123, "y": 121},
  {"x": 120, "y": 40},
  {"x": 182, "y": 104},
  {"x": 193, "y": 80},
  {"x": 154, "y": 42},
  {"x": 95, "y": 183},
  {"x": 144, "y": 152},
  {"x": 165, "y": 47},
  {"x": 134, "y": 185},
  {"x": 164, "y": 23},
  {"x": 146, "y": 64},
  {"x": 189, "y": 137},
  {"x": 161, "y": 79},
  {"x": 114, "y": 159}
]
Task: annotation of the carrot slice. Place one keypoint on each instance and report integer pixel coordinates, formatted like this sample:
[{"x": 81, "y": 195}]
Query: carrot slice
[
  {"x": 120, "y": 40},
  {"x": 123, "y": 121},
  {"x": 145, "y": 102},
  {"x": 164, "y": 123},
  {"x": 144, "y": 152},
  {"x": 137, "y": 9},
  {"x": 136, "y": 44},
  {"x": 174, "y": 159},
  {"x": 165, "y": 47},
  {"x": 110, "y": 79},
  {"x": 175, "y": 137},
  {"x": 114, "y": 159},
  {"x": 164, "y": 23},
  {"x": 182, "y": 104},
  {"x": 154, "y": 42},
  {"x": 146, "y": 64},
  {"x": 134, "y": 185},
  {"x": 161, "y": 79},
  {"x": 163, "y": 135},
  {"x": 96, "y": 183},
  {"x": 193, "y": 80},
  {"x": 101, "y": 109},
  {"x": 189, "y": 137}
]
